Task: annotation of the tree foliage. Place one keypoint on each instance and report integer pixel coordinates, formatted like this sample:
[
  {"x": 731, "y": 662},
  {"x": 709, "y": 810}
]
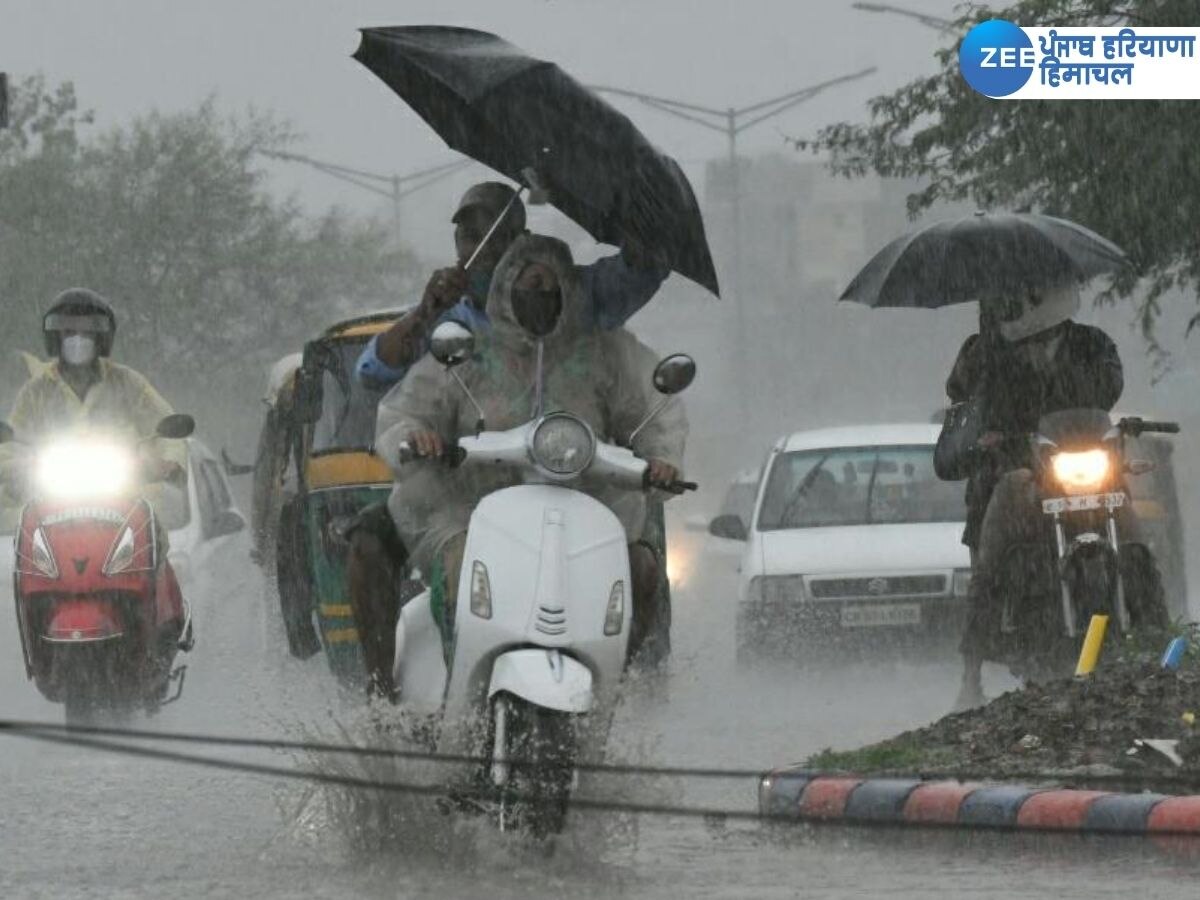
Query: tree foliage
[
  {"x": 170, "y": 217},
  {"x": 1129, "y": 170}
]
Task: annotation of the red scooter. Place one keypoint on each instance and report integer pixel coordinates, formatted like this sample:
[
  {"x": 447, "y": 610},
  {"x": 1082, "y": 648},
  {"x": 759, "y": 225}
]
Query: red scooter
[{"x": 99, "y": 609}]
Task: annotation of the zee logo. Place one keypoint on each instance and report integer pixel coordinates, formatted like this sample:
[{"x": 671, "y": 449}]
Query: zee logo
[
  {"x": 1006, "y": 58},
  {"x": 996, "y": 58}
]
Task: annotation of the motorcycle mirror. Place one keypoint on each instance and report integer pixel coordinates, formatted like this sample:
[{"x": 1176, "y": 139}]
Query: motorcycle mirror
[
  {"x": 674, "y": 374},
  {"x": 452, "y": 344},
  {"x": 175, "y": 426},
  {"x": 7, "y": 435}
]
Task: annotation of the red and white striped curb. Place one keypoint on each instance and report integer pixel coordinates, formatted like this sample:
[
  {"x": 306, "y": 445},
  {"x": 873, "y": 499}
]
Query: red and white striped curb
[{"x": 803, "y": 794}]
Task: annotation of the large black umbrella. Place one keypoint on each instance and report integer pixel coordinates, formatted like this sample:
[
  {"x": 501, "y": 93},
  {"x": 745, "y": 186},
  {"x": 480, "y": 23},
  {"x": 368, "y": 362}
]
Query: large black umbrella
[
  {"x": 958, "y": 260},
  {"x": 490, "y": 101}
]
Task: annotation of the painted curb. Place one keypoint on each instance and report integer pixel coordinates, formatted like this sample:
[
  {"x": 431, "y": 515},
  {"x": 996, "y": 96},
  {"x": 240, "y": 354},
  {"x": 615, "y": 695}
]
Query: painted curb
[{"x": 804, "y": 795}]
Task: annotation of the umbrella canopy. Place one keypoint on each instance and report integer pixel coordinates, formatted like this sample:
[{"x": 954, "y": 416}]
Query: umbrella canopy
[
  {"x": 509, "y": 111},
  {"x": 958, "y": 260}
]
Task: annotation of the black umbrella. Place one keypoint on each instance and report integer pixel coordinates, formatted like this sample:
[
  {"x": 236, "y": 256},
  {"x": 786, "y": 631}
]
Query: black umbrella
[
  {"x": 514, "y": 113},
  {"x": 958, "y": 260}
]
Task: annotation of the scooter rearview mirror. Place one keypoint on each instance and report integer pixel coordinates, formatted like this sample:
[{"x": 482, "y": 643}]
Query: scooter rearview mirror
[
  {"x": 175, "y": 426},
  {"x": 452, "y": 344},
  {"x": 674, "y": 374}
]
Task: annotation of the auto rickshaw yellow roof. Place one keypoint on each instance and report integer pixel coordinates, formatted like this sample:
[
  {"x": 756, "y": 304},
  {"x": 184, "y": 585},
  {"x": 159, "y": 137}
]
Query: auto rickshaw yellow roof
[{"x": 367, "y": 324}]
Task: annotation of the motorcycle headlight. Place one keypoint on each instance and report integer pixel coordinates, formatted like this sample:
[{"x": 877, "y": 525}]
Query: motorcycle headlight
[
  {"x": 481, "y": 591},
  {"x": 81, "y": 470},
  {"x": 40, "y": 555},
  {"x": 614, "y": 616},
  {"x": 562, "y": 444},
  {"x": 120, "y": 557},
  {"x": 1084, "y": 471}
]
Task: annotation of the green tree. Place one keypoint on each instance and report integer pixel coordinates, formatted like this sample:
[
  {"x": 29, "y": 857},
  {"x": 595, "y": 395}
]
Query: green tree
[
  {"x": 170, "y": 217},
  {"x": 1130, "y": 170}
]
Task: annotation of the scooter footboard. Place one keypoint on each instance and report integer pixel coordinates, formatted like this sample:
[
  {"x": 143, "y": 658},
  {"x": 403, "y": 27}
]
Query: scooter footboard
[{"x": 545, "y": 678}]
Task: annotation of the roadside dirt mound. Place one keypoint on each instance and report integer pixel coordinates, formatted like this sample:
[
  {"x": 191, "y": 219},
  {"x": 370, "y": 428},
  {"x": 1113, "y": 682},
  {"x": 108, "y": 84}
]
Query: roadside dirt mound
[{"x": 1073, "y": 725}]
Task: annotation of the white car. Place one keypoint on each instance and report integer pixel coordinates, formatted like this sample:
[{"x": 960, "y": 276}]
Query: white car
[
  {"x": 852, "y": 535},
  {"x": 199, "y": 522}
]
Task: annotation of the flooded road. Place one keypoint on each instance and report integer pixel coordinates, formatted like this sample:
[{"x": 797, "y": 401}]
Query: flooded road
[{"x": 78, "y": 823}]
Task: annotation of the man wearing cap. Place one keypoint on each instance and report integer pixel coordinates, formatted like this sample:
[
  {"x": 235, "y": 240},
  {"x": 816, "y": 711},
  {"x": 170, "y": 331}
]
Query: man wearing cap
[{"x": 614, "y": 288}]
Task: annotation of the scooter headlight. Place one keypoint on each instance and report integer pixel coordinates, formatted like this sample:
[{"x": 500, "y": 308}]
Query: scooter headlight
[
  {"x": 78, "y": 470},
  {"x": 481, "y": 591},
  {"x": 1081, "y": 472},
  {"x": 40, "y": 555},
  {"x": 562, "y": 444},
  {"x": 614, "y": 616},
  {"x": 120, "y": 557}
]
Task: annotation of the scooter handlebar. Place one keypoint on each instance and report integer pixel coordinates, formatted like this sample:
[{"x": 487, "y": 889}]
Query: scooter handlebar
[
  {"x": 452, "y": 455},
  {"x": 1135, "y": 426}
]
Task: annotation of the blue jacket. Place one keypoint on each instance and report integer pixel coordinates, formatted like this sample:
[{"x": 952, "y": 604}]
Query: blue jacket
[{"x": 612, "y": 289}]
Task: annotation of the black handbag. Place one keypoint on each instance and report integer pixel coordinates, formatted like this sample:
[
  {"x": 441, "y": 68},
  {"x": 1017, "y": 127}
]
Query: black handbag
[{"x": 957, "y": 445}]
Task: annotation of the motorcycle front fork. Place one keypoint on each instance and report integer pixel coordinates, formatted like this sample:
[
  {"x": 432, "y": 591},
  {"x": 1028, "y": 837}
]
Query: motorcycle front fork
[{"x": 1070, "y": 625}]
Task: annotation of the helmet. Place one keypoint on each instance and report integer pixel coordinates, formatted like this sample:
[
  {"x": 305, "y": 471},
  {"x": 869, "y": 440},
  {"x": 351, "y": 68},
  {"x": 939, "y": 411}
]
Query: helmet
[{"x": 79, "y": 309}]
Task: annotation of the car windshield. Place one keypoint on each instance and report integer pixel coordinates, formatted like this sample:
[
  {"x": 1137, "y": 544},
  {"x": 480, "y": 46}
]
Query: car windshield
[
  {"x": 348, "y": 408},
  {"x": 858, "y": 486}
]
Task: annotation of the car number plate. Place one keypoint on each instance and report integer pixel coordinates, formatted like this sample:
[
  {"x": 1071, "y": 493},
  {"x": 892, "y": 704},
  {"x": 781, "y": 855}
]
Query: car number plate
[
  {"x": 882, "y": 615},
  {"x": 1084, "y": 502}
]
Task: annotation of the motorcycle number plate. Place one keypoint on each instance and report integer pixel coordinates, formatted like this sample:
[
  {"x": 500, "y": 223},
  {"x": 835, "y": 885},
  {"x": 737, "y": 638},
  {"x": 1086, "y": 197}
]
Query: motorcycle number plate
[
  {"x": 881, "y": 616},
  {"x": 1082, "y": 503}
]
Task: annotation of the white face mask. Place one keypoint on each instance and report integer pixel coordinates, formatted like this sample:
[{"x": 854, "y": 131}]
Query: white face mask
[{"x": 78, "y": 349}]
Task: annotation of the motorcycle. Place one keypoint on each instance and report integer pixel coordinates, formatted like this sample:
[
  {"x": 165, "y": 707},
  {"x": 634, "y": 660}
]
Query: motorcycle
[
  {"x": 1088, "y": 560},
  {"x": 542, "y": 619},
  {"x": 99, "y": 610}
]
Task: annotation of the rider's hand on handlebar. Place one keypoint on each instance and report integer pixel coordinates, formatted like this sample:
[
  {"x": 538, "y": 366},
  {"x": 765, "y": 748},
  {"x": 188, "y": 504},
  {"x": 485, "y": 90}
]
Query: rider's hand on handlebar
[
  {"x": 427, "y": 444},
  {"x": 661, "y": 474},
  {"x": 445, "y": 288}
]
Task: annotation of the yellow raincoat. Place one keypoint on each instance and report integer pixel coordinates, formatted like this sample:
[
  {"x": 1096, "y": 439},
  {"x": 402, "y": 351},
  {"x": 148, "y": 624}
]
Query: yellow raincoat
[{"x": 121, "y": 403}]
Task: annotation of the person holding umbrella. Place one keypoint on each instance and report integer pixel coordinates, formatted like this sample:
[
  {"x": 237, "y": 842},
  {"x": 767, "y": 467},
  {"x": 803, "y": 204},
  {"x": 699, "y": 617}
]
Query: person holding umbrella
[{"x": 1028, "y": 359}]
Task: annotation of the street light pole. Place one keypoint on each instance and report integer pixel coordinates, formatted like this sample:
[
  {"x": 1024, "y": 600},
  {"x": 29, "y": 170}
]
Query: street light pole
[
  {"x": 732, "y": 121},
  {"x": 935, "y": 22},
  {"x": 392, "y": 187}
]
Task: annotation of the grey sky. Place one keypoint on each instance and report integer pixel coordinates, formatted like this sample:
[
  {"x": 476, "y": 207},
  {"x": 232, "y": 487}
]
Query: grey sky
[{"x": 293, "y": 56}]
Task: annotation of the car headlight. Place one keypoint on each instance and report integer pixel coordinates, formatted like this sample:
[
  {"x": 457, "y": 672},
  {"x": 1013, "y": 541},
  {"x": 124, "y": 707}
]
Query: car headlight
[
  {"x": 81, "y": 470},
  {"x": 962, "y": 582},
  {"x": 773, "y": 590},
  {"x": 1084, "y": 471},
  {"x": 40, "y": 555},
  {"x": 562, "y": 444},
  {"x": 120, "y": 557},
  {"x": 481, "y": 591},
  {"x": 614, "y": 616}
]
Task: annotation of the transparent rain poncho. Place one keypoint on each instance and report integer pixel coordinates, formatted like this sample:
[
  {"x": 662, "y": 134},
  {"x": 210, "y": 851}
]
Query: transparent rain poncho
[{"x": 605, "y": 378}]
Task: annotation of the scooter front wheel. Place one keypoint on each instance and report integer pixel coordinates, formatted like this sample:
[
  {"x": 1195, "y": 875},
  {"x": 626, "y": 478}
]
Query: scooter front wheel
[{"x": 542, "y": 749}]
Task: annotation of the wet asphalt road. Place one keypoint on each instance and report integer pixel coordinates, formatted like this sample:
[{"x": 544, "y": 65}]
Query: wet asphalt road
[{"x": 76, "y": 823}]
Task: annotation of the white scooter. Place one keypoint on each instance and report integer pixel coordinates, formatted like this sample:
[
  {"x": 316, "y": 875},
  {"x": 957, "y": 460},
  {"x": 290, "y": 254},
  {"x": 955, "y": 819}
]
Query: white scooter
[{"x": 541, "y": 626}]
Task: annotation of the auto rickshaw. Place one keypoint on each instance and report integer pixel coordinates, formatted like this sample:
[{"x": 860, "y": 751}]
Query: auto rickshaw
[{"x": 322, "y": 430}]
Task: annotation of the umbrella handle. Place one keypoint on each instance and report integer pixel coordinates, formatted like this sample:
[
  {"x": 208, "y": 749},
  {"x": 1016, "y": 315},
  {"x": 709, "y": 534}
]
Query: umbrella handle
[{"x": 495, "y": 225}]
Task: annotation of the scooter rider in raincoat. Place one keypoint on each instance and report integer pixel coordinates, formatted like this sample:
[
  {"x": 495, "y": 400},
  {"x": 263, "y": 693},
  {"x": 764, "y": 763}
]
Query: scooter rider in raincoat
[
  {"x": 1028, "y": 360},
  {"x": 611, "y": 289},
  {"x": 605, "y": 378},
  {"x": 81, "y": 387}
]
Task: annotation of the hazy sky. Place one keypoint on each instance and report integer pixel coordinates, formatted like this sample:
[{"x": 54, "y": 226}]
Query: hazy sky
[{"x": 293, "y": 56}]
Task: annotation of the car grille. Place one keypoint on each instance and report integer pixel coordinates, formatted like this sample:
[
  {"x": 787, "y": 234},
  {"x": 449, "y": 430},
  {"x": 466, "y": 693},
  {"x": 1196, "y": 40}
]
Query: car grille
[{"x": 877, "y": 587}]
